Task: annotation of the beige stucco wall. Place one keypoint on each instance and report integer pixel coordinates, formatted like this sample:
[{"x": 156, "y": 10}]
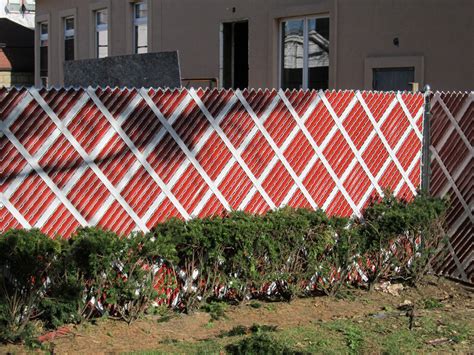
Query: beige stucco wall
[{"x": 435, "y": 36}]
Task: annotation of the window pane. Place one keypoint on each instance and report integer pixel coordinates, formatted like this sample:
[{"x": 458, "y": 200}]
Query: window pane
[
  {"x": 44, "y": 29},
  {"x": 101, "y": 17},
  {"x": 43, "y": 34},
  {"x": 69, "y": 49},
  {"x": 318, "y": 53},
  {"x": 44, "y": 61},
  {"x": 141, "y": 10},
  {"x": 292, "y": 54},
  {"x": 69, "y": 24},
  {"x": 393, "y": 79},
  {"x": 102, "y": 34},
  {"x": 102, "y": 44},
  {"x": 102, "y": 52},
  {"x": 141, "y": 39}
]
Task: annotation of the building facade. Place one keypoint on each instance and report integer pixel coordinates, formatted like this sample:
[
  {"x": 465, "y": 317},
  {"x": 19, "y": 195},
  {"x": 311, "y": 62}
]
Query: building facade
[
  {"x": 17, "y": 22},
  {"x": 19, "y": 11},
  {"x": 336, "y": 44}
]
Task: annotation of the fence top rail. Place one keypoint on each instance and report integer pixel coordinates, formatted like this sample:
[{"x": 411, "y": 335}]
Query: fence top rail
[{"x": 181, "y": 89}]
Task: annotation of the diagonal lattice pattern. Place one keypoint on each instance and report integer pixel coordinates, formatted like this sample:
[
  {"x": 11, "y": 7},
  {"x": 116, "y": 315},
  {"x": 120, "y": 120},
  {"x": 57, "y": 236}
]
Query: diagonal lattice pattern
[
  {"x": 452, "y": 166},
  {"x": 127, "y": 159}
]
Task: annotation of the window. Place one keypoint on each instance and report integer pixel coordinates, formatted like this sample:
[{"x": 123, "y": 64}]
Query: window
[
  {"x": 305, "y": 53},
  {"x": 13, "y": 6},
  {"x": 20, "y": 6},
  {"x": 44, "y": 42},
  {"x": 102, "y": 34},
  {"x": 393, "y": 79},
  {"x": 29, "y": 5},
  {"x": 140, "y": 27},
  {"x": 69, "y": 34}
]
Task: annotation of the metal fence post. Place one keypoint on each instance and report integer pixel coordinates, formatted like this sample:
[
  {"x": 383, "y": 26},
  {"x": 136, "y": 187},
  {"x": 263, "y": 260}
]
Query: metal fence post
[{"x": 426, "y": 156}]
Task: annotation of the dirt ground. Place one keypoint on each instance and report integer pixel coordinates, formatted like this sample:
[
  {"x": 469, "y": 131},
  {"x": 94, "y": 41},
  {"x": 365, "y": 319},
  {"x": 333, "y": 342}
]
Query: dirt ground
[{"x": 361, "y": 322}]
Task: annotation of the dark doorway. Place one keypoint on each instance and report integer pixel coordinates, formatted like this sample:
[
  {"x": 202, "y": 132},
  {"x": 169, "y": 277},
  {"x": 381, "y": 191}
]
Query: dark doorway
[
  {"x": 393, "y": 79},
  {"x": 235, "y": 55}
]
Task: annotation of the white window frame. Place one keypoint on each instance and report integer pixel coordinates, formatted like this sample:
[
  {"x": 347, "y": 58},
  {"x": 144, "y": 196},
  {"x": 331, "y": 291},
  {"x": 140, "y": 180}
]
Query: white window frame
[
  {"x": 304, "y": 84},
  {"x": 101, "y": 28},
  {"x": 140, "y": 21}
]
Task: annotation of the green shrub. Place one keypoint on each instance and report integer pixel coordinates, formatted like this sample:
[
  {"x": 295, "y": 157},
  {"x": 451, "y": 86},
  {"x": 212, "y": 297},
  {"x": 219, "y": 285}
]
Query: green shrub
[
  {"x": 26, "y": 259},
  {"x": 259, "y": 344},
  {"x": 392, "y": 231},
  {"x": 278, "y": 256},
  {"x": 117, "y": 273}
]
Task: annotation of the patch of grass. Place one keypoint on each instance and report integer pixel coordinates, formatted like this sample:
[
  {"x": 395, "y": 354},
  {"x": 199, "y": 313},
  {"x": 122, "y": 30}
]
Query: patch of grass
[
  {"x": 164, "y": 318},
  {"x": 260, "y": 344},
  {"x": 353, "y": 334},
  {"x": 346, "y": 294},
  {"x": 261, "y": 328},
  {"x": 270, "y": 307},
  {"x": 254, "y": 329},
  {"x": 255, "y": 305},
  {"x": 314, "y": 339},
  {"x": 432, "y": 303},
  {"x": 400, "y": 342},
  {"x": 235, "y": 331},
  {"x": 215, "y": 309}
]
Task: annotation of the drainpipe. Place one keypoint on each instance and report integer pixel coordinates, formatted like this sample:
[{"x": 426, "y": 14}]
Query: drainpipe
[{"x": 426, "y": 156}]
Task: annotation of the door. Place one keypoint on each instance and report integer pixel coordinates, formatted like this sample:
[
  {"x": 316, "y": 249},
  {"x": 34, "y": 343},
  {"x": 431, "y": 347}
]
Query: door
[{"x": 235, "y": 61}]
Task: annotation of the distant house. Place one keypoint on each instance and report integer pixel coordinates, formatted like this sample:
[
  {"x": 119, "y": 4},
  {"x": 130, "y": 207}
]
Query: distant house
[
  {"x": 17, "y": 42},
  {"x": 314, "y": 44}
]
